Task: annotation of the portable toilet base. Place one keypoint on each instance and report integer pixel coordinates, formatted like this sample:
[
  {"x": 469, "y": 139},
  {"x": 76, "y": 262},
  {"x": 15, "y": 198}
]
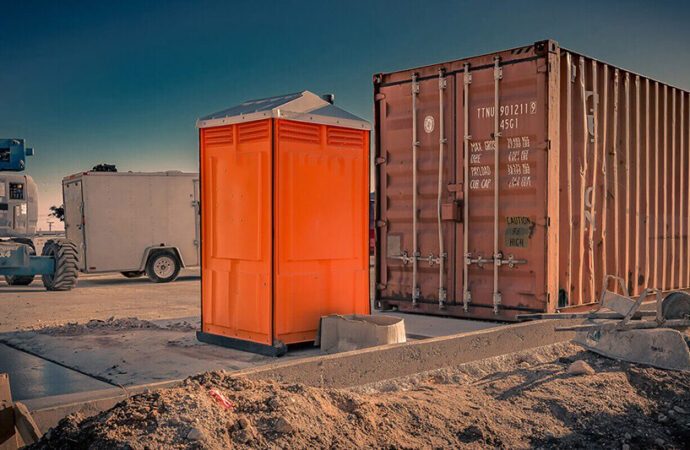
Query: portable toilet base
[
  {"x": 278, "y": 348},
  {"x": 284, "y": 218}
]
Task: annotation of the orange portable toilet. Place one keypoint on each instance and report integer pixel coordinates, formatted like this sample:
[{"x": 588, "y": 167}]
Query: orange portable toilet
[{"x": 284, "y": 219}]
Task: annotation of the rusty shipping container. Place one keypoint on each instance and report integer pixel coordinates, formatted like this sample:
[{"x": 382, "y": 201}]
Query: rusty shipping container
[{"x": 514, "y": 182}]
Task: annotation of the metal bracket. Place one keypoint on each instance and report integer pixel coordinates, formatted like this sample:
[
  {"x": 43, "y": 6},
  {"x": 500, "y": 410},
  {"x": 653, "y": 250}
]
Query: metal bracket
[
  {"x": 380, "y": 160},
  {"x": 416, "y": 293},
  {"x": 499, "y": 261},
  {"x": 431, "y": 260},
  {"x": 498, "y": 72},
  {"x": 497, "y": 302},
  {"x": 512, "y": 262},
  {"x": 466, "y": 300},
  {"x": 442, "y": 296}
]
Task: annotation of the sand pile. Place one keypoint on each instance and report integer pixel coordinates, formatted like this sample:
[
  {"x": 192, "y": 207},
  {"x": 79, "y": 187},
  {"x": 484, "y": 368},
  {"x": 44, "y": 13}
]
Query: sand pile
[
  {"x": 111, "y": 325},
  {"x": 529, "y": 400}
]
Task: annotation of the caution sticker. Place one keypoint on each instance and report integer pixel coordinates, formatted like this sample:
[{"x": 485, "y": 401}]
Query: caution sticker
[{"x": 519, "y": 230}]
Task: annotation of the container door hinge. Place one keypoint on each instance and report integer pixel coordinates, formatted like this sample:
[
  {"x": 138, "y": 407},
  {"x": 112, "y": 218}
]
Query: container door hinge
[
  {"x": 378, "y": 97},
  {"x": 548, "y": 221},
  {"x": 381, "y": 223},
  {"x": 380, "y": 286},
  {"x": 548, "y": 144},
  {"x": 380, "y": 160}
]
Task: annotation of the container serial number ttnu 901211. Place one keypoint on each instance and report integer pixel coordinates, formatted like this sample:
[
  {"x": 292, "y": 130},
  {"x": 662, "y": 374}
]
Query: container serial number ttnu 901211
[{"x": 513, "y": 109}]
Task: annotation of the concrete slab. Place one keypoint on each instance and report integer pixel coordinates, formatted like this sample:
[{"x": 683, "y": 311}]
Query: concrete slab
[
  {"x": 138, "y": 356},
  {"x": 32, "y": 377}
]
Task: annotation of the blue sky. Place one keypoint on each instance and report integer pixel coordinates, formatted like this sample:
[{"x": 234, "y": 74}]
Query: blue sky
[{"x": 123, "y": 82}]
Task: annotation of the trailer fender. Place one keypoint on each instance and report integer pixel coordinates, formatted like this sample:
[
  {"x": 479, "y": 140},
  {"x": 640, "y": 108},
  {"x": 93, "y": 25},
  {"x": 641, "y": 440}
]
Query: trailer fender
[{"x": 153, "y": 249}]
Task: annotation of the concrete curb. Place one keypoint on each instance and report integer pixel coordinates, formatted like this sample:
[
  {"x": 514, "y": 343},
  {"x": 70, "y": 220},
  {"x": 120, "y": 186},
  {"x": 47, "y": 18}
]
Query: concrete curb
[
  {"x": 342, "y": 369},
  {"x": 397, "y": 360}
]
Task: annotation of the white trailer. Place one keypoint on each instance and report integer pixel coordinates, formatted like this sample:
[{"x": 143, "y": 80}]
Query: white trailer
[{"x": 134, "y": 222}]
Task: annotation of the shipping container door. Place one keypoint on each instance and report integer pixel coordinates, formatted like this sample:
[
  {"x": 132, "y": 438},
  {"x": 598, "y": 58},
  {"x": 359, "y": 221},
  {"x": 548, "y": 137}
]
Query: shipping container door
[
  {"x": 236, "y": 178},
  {"x": 321, "y": 199},
  {"x": 74, "y": 216},
  {"x": 432, "y": 101},
  {"x": 505, "y": 104}
]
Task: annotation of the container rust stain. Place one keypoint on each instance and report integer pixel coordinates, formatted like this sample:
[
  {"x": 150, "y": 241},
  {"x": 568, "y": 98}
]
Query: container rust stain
[{"x": 538, "y": 172}]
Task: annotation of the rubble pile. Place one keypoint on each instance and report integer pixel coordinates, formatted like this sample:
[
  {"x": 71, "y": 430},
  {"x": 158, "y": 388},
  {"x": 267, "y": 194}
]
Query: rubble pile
[
  {"x": 525, "y": 401},
  {"x": 111, "y": 325}
]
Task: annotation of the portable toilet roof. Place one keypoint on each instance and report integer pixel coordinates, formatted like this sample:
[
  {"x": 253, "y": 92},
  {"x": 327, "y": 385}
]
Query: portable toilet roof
[{"x": 302, "y": 106}]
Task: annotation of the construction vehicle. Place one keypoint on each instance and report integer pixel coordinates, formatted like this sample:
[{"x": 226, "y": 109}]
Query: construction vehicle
[
  {"x": 19, "y": 263},
  {"x": 632, "y": 330}
]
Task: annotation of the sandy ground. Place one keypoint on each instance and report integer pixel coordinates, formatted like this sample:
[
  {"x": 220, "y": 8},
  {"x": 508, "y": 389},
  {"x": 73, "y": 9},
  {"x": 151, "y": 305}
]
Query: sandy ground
[
  {"x": 99, "y": 297},
  {"x": 525, "y": 400}
]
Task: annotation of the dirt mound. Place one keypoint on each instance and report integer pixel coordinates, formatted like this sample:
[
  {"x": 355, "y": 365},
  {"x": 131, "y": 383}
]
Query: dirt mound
[
  {"x": 527, "y": 400},
  {"x": 111, "y": 325}
]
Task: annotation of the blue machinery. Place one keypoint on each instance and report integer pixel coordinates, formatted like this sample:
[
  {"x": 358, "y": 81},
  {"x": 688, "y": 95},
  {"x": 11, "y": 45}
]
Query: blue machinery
[{"x": 19, "y": 263}]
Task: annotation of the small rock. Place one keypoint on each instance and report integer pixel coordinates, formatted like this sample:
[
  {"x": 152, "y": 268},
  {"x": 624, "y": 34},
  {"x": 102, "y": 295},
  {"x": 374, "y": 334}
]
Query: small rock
[
  {"x": 662, "y": 418},
  {"x": 242, "y": 423},
  {"x": 195, "y": 434},
  {"x": 660, "y": 442},
  {"x": 580, "y": 367},
  {"x": 136, "y": 415},
  {"x": 245, "y": 435},
  {"x": 679, "y": 410},
  {"x": 627, "y": 436},
  {"x": 274, "y": 403},
  {"x": 283, "y": 426},
  {"x": 671, "y": 413},
  {"x": 625, "y": 447}
]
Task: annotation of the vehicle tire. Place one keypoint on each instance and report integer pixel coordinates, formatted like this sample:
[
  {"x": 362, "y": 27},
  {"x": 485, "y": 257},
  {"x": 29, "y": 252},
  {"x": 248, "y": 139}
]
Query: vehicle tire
[
  {"x": 65, "y": 254},
  {"x": 163, "y": 267},
  {"x": 676, "y": 305},
  {"x": 132, "y": 274},
  {"x": 22, "y": 280}
]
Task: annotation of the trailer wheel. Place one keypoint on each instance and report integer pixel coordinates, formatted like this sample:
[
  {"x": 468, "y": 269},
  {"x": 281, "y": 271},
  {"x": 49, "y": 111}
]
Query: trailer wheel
[
  {"x": 132, "y": 274},
  {"x": 22, "y": 280},
  {"x": 65, "y": 254},
  {"x": 676, "y": 305},
  {"x": 163, "y": 267}
]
